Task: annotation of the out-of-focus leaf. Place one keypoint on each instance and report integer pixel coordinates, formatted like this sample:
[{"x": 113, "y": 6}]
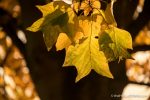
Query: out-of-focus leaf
[
  {"x": 14, "y": 74},
  {"x": 143, "y": 37},
  {"x": 137, "y": 70}
]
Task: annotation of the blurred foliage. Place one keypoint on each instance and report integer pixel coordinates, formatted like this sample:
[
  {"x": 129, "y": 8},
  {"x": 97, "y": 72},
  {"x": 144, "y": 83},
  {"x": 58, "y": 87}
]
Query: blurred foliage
[
  {"x": 143, "y": 38},
  {"x": 139, "y": 9},
  {"x": 15, "y": 81},
  {"x": 138, "y": 70},
  {"x": 12, "y": 6}
]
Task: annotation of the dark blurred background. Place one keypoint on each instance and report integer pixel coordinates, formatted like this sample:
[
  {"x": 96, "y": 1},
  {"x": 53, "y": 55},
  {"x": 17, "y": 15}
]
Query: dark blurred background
[{"x": 51, "y": 81}]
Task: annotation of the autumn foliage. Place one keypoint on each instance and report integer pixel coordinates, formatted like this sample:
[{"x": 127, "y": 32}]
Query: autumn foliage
[{"x": 88, "y": 33}]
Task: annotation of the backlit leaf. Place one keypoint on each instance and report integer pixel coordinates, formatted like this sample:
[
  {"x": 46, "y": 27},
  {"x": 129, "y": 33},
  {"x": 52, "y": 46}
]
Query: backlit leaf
[
  {"x": 88, "y": 33},
  {"x": 86, "y": 57},
  {"x": 57, "y": 18},
  {"x": 62, "y": 42},
  {"x": 114, "y": 42}
]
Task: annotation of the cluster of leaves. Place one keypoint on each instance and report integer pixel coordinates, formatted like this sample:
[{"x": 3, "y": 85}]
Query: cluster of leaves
[{"x": 88, "y": 33}]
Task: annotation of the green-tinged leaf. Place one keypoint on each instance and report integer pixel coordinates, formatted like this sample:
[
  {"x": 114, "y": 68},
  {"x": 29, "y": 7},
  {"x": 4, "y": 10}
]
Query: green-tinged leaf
[
  {"x": 51, "y": 27},
  {"x": 58, "y": 17},
  {"x": 46, "y": 10},
  {"x": 114, "y": 42},
  {"x": 50, "y": 35},
  {"x": 86, "y": 57},
  {"x": 72, "y": 25},
  {"x": 108, "y": 14}
]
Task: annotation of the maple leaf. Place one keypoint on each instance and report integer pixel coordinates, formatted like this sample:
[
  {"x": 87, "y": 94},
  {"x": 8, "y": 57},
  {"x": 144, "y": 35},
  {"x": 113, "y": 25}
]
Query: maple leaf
[
  {"x": 87, "y": 55},
  {"x": 114, "y": 42},
  {"x": 90, "y": 39},
  {"x": 58, "y": 17}
]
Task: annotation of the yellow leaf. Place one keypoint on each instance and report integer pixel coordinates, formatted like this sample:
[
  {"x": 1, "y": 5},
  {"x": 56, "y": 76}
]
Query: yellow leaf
[
  {"x": 47, "y": 9},
  {"x": 90, "y": 24},
  {"x": 86, "y": 57},
  {"x": 62, "y": 42},
  {"x": 36, "y": 25}
]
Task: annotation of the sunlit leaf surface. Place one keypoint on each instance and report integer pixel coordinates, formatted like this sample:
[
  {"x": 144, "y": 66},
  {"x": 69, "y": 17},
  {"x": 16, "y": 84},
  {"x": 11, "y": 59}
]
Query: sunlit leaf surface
[
  {"x": 79, "y": 28},
  {"x": 87, "y": 57}
]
